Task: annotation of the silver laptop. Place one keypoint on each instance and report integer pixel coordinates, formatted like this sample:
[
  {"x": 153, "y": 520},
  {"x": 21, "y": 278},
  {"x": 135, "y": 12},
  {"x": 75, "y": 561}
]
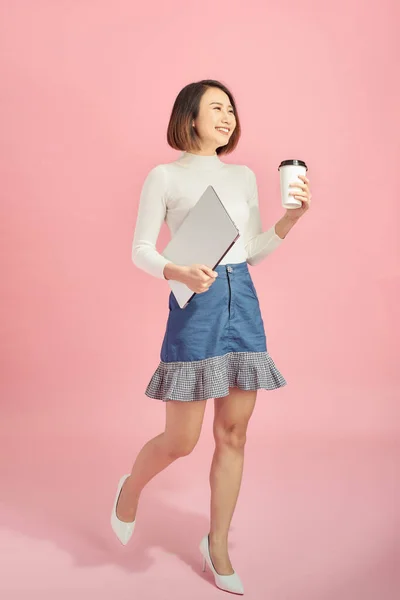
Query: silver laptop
[{"x": 206, "y": 234}]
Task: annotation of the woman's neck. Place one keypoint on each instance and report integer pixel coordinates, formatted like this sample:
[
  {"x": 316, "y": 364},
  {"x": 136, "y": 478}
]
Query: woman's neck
[{"x": 200, "y": 161}]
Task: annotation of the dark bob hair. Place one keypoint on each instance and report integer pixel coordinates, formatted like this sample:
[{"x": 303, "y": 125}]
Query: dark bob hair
[{"x": 181, "y": 135}]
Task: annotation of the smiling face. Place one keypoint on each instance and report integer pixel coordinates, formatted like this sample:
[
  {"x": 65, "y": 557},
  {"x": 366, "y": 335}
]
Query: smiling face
[{"x": 216, "y": 120}]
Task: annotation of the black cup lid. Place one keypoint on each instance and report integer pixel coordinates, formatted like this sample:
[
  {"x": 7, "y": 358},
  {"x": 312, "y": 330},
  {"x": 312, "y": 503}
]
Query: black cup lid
[{"x": 293, "y": 162}]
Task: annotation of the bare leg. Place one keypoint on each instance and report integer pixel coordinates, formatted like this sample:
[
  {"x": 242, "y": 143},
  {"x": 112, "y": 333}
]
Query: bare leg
[
  {"x": 232, "y": 414},
  {"x": 182, "y": 431}
]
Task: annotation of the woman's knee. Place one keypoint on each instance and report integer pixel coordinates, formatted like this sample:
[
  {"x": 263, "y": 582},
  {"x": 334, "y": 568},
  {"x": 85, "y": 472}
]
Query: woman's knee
[
  {"x": 177, "y": 447},
  {"x": 183, "y": 426},
  {"x": 233, "y": 435}
]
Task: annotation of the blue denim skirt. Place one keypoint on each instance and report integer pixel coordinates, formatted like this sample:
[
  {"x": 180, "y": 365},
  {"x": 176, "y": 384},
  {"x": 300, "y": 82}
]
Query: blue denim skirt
[{"x": 217, "y": 342}]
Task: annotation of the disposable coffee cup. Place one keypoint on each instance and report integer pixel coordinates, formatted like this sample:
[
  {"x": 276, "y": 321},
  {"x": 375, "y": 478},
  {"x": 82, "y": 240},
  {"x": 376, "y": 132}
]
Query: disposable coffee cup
[{"x": 289, "y": 171}]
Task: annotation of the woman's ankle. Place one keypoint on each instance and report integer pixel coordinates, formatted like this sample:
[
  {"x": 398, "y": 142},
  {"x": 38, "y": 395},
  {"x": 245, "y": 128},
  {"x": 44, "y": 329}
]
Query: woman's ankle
[
  {"x": 127, "y": 511},
  {"x": 127, "y": 503},
  {"x": 218, "y": 540}
]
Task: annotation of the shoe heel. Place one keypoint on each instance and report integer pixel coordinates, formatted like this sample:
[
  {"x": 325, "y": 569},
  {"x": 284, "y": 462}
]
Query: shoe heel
[{"x": 204, "y": 564}]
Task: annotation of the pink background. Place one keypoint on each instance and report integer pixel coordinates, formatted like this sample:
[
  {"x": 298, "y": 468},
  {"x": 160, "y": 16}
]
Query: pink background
[{"x": 87, "y": 89}]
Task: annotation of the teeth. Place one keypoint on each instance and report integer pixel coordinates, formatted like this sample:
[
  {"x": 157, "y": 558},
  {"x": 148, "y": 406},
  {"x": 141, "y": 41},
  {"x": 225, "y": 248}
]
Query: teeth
[{"x": 222, "y": 129}]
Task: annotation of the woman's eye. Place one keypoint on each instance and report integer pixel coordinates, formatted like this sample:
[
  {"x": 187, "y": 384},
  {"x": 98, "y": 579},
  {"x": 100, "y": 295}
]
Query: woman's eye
[{"x": 219, "y": 108}]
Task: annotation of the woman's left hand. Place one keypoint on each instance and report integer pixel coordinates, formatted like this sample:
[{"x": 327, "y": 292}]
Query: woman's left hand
[{"x": 293, "y": 214}]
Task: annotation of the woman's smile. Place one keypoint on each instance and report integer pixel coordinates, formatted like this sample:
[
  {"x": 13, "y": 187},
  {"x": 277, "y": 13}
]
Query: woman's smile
[{"x": 223, "y": 130}]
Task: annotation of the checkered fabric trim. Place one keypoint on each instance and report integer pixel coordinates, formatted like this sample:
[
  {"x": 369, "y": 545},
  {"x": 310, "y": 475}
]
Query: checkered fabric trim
[{"x": 212, "y": 377}]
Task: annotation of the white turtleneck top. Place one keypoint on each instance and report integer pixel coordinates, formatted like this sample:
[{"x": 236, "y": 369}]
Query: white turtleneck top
[{"x": 169, "y": 192}]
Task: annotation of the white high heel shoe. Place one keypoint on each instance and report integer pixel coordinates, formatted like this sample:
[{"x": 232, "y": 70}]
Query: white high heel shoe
[
  {"x": 228, "y": 583},
  {"x": 122, "y": 530}
]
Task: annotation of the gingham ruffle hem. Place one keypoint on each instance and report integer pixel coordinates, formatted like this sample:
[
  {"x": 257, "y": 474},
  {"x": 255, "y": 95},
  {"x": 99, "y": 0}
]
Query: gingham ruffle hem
[{"x": 212, "y": 377}]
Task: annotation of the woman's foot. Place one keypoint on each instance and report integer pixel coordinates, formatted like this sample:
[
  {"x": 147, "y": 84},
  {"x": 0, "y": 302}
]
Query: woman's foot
[
  {"x": 228, "y": 581},
  {"x": 220, "y": 557},
  {"x": 122, "y": 529},
  {"x": 126, "y": 506}
]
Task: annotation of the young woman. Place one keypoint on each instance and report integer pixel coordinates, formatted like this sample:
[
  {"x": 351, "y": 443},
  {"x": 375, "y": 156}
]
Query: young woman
[{"x": 216, "y": 346}]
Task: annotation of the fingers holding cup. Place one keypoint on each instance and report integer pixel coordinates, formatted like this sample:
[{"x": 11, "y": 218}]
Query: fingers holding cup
[{"x": 303, "y": 190}]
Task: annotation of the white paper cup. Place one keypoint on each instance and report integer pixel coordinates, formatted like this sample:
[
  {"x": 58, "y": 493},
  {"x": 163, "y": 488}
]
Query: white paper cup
[{"x": 289, "y": 171}]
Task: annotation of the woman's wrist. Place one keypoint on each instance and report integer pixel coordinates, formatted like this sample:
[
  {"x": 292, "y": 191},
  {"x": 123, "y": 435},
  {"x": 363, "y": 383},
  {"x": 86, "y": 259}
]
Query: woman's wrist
[
  {"x": 175, "y": 272},
  {"x": 283, "y": 226}
]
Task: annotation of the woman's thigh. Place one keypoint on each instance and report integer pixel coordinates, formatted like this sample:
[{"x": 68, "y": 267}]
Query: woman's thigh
[{"x": 183, "y": 424}]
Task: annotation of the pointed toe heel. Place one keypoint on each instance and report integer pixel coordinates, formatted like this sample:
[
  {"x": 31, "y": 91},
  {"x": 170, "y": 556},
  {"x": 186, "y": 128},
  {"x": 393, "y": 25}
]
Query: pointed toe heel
[
  {"x": 122, "y": 530},
  {"x": 227, "y": 583}
]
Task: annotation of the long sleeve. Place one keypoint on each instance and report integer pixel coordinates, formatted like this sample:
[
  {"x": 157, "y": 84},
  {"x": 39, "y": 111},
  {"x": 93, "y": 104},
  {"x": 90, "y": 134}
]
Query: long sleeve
[
  {"x": 151, "y": 214},
  {"x": 258, "y": 244}
]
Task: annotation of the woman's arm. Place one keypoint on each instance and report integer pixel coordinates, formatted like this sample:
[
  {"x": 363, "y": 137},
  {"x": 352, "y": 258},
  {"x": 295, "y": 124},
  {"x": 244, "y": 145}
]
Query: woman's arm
[
  {"x": 259, "y": 243},
  {"x": 151, "y": 214},
  {"x": 283, "y": 226}
]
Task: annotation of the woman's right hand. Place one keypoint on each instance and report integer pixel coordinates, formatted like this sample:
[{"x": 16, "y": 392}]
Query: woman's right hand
[{"x": 199, "y": 278}]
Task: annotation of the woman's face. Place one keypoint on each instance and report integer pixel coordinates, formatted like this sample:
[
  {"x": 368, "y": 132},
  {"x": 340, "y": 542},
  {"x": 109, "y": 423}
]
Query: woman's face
[{"x": 216, "y": 120}]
